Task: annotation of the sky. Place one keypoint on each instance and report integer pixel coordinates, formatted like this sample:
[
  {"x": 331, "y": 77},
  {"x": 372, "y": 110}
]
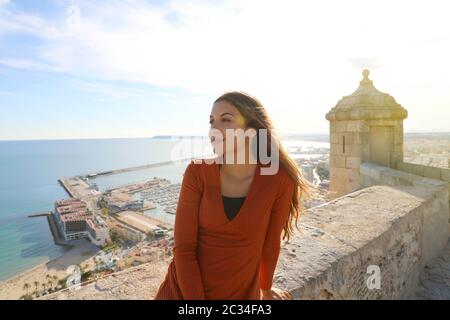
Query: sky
[{"x": 133, "y": 68}]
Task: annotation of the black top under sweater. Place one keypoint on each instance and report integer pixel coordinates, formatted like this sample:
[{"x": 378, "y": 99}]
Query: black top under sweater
[{"x": 232, "y": 206}]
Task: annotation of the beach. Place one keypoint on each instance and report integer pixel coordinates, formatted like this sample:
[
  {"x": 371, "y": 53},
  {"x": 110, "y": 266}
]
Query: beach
[{"x": 80, "y": 254}]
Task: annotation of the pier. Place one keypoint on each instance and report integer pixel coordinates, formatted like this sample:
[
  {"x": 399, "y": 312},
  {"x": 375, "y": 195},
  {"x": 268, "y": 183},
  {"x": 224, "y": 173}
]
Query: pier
[
  {"x": 63, "y": 184},
  {"x": 136, "y": 168},
  {"x": 40, "y": 214},
  {"x": 77, "y": 187},
  {"x": 53, "y": 227}
]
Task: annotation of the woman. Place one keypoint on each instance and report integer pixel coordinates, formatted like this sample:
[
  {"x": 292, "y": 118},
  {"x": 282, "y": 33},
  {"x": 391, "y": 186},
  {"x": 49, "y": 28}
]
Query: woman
[{"x": 230, "y": 216}]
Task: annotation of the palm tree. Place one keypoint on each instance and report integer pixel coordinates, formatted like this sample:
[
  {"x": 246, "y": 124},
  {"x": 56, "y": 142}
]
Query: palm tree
[
  {"x": 26, "y": 287},
  {"x": 49, "y": 280},
  {"x": 36, "y": 284},
  {"x": 44, "y": 285},
  {"x": 55, "y": 280}
]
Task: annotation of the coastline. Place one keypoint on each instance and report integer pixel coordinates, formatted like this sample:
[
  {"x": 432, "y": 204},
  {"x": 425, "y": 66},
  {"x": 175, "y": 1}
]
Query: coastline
[
  {"x": 25, "y": 272},
  {"x": 57, "y": 241},
  {"x": 12, "y": 288}
]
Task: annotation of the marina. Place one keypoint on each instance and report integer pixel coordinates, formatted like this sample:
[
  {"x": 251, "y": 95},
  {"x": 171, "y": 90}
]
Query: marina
[{"x": 140, "y": 207}]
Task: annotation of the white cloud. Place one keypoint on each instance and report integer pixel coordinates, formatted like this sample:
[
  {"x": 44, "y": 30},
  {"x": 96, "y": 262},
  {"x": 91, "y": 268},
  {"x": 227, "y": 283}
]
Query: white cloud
[
  {"x": 29, "y": 64},
  {"x": 19, "y": 22},
  {"x": 111, "y": 91},
  {"x": 295, "y": 56}
]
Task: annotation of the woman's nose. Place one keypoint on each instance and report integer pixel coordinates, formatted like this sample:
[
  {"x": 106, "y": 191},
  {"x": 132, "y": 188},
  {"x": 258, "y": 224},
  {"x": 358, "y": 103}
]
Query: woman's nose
[{"x": 211, "y": 134}]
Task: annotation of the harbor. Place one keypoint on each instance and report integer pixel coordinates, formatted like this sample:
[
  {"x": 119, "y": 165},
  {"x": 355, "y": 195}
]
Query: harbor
[{"x": 132, "y": 210}]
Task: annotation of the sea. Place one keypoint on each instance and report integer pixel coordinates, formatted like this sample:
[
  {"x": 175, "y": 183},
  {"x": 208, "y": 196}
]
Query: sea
[{"x": 29, "y": 173}]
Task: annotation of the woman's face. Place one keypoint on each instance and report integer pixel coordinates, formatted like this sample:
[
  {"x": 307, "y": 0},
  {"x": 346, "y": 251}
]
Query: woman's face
[{"x": 225, "y": 117}]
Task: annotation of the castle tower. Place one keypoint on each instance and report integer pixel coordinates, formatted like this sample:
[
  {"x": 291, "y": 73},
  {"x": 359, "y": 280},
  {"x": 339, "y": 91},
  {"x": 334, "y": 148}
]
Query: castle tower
[{"x": 366, "y": 126}]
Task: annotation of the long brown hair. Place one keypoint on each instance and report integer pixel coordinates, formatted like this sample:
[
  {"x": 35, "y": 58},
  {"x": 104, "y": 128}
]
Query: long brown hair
[{"x": 256, "y": 117}]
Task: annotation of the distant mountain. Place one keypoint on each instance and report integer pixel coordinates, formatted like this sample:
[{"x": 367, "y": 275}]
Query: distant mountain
[
  {"x": 317, "y": 137},
  {"x": 427, "y": 135}
]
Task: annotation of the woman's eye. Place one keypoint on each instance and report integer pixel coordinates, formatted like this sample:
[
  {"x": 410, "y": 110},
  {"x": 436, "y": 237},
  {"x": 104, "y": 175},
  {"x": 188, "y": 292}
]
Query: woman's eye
[{"x": 223, "y": 120}]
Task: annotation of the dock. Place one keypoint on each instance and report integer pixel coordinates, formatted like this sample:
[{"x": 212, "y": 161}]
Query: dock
[
  {"x": 66, "y": 188},
  {"x": 78, "y": 187},
  {"x": 136, "y": 168},
  {"x": 40, "y": 214},
  {"x": 53, "y": 227}
]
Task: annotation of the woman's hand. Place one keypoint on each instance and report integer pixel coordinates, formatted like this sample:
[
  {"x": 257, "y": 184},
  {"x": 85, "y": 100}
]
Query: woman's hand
[{"x": 275, "y": 294}]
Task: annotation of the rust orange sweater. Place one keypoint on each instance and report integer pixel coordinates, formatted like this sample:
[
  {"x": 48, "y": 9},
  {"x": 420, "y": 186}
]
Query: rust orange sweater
[{"x": 218, "y": 259}]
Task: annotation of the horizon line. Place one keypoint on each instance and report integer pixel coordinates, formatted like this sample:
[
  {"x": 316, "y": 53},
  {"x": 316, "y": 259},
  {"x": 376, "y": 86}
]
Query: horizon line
[{"x": 183, "y": 135}]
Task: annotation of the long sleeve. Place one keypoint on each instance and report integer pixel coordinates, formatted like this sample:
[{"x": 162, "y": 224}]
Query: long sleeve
[
  {"x": 278, "y": 219},
  {"x": 185, "y": 235}
]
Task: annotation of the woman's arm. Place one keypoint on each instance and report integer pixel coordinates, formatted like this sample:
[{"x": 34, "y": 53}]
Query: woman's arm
[
  {"x": 278, "y": 219},
  {"x": 185, "y": 235}
]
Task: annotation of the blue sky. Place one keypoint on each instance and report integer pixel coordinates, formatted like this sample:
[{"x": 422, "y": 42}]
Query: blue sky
[{"x": 134, "y": 68}]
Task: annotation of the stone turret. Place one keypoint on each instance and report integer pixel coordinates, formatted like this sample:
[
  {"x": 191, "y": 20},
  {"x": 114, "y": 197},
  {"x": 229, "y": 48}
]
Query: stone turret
[{"x": 366, "y": 126}]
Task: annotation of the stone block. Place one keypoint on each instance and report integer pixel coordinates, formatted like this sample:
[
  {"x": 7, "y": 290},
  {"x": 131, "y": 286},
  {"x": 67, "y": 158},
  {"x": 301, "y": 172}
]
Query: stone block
[
  {"x": 365, "y": 153},
  {"x": 355, "y": 126},
  {"x": 432, "y": 173},
  {"x": 445, "y": 174},
  {"x": 341, "y": 126},
  {"x": 335, "y": 149},
  {"x": 361, "y": 138},
  {"x": 334, "y": 138},
  {"x": 418, "y": 169},
  {"x": 338, "y": 161},
  {"x": 354, "y": 150},
  {"x": 353, "y": 162}
]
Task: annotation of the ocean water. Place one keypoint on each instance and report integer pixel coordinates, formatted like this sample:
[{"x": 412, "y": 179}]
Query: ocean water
[{"x": 29, "y": 173}]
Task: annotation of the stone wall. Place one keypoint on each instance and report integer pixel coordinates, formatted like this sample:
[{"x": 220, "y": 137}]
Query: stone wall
[
  {"x": 436, "y": 192},
  {"x": 442, "y": 174},
  {"x": 398, "y": 222}
]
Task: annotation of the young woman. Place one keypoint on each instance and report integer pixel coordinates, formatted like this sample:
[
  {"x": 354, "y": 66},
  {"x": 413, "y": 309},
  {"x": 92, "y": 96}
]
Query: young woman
[{"x": 230, "y": 216}]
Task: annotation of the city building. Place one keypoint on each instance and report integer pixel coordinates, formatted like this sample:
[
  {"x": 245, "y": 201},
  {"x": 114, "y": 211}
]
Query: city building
[
  {"x": 128, "y": 233},
  {"x": 97, "y": 231},
  {"x": 76, "y": 221}
]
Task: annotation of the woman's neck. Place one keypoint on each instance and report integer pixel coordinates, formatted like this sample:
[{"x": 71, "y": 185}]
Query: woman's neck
[{"x": 238, "y": 171}]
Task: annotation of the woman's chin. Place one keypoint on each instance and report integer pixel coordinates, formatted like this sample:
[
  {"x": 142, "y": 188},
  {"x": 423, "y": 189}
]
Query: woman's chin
[{"x": 218, "y": 151}]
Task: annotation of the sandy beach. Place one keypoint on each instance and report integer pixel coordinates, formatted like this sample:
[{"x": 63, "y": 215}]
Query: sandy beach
[{"x": 12, "y": 289}]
